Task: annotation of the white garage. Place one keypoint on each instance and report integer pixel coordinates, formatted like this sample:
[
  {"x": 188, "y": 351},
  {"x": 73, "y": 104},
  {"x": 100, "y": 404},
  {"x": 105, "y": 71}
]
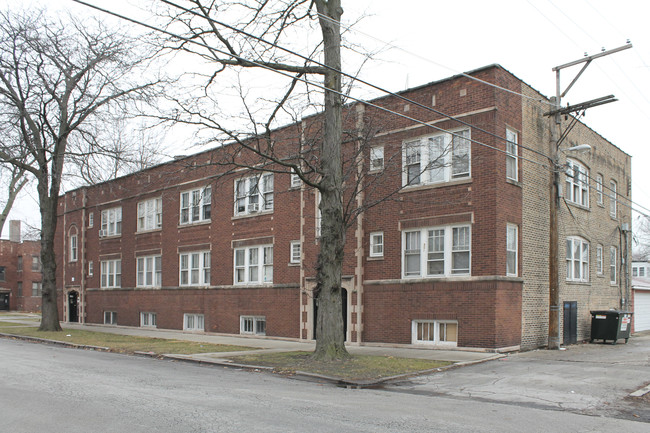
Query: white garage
[{"x": 641, "y": 310}]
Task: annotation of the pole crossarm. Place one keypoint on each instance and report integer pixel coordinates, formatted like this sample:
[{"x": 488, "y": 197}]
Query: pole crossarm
[{"x": 583, "y": 105}]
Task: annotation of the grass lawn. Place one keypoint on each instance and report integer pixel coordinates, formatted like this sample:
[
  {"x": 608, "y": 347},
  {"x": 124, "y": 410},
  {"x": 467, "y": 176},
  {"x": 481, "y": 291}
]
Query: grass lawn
[
  {"x": 122, "y": 343},
  {"x": 359, "y": 367}
]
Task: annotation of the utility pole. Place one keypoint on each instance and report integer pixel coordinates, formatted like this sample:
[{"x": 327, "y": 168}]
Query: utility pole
[{"x": 556, "y": 140}]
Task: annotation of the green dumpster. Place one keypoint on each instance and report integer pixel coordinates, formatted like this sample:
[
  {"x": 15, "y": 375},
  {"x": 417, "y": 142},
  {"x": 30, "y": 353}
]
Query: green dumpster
[{"x": 610, "y": 325}]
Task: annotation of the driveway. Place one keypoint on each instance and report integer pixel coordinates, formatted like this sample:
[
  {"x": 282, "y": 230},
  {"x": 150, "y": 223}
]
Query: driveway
[{"x": 591, "y": 379}]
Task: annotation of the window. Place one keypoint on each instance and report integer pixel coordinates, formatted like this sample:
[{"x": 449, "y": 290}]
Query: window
[
  {"x": 196, "y": 205},
  {"x": 19, "y": 265},
  {"x": 612, "y": 198},
  {"x": 437, "y": 158},
  {"x": 440, "y": 251},
  {"x": 377, "y": 158},
  {"x": 195, "y": 269},
  {"x": 599, "y": 260},
  {"x": 599, "y": 189},
  {"x": 150, "y": 214},
  {"x": 377, "y": 244},
  {"x": 193, "y": 322},
  {"x": 110, "y": 274},
  {"x": 36, "y": 263},
  {"x": 19, "y": 288},
  {"x": 37, "y": 289},
  {"x": 295, "y": 180},
  {"x": 612, "y": 265},
  {"x": 91, "y": 220},
  {"x": 255, "y": 325},
  {"x": 635, "y": 271},
  {"x": 111, "y": 222},
  {"x": 254, "y": 265},
  {"x": 2, "y": 273},
  {"x": 641, "y": 271},
  {"x": 577, "y": 186},
  {"x": 91, "y": 268},
  {"x": 148, "y": 320},
  {"x": 254, "y": 194},
  {"x": 110, "y": 318},
  {"x": 577, "y": 259},
  {"x": 512, "y": 155},
  {"x": 435, "y": 332},
  {"x": 73, "y": 247},
  {"x": 511, "y": 250},
  {"x": 149, "y": 271},
  {"x": 295, "y": 252}
]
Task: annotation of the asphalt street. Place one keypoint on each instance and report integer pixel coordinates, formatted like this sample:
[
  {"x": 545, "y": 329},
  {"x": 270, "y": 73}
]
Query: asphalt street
[{"x": 49, "y": 388}]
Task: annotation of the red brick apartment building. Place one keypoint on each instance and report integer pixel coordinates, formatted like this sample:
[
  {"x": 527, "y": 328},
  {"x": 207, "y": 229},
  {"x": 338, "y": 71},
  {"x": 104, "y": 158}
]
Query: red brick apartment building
[
  {"x": 457, "y": 256},
  {"x": 20, "y": 272}
]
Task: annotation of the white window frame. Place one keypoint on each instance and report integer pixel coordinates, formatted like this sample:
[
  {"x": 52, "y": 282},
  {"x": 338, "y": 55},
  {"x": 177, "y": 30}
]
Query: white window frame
[
  {"x": 599, "y": 259},
  {"x": 376, "y": 244},
  {"x": 150, "y": 214},
  {"x": 612, "y": 198},
  {"x": 193, "y": 322},
  {"x": 195, "y": 205},
  {"x": 613, "y": 260},
  {"x": 642, "y": 271},
  {"x": 581, "y": 272},
  {"x": 577, "y": 183},
  {"x": 91, "y": 219},
  {"x": 91, "y": 268},
  {"x": 149, "y": 271},
  {"x": 431, "y": 330},
  {"x": 253, "y": 265},
  {"x": 512, "y": 250},
  {"x": 110, "y": 317},
  {"x": 437, "y": 244},
  {"x": 599, "y": 189},
  {"x": 433, "y": 159},
  {"x": 148, "y": 319},
  {"x": 74, "y": 247},
  {"x": 254, "y": 194},
  {"x": 111, "y": 224},
  {"x": 37, "y": 288},
  {"x": 512, "y": 154},
  {"x": 252, "y": 325},
  {"x": 376, "y": 158},
  {"x": 110, "y": 274},
  {"x": 295, "y": 252},
  {"x": 295, "y": 180},
  {"x": 194, "y": 269}
]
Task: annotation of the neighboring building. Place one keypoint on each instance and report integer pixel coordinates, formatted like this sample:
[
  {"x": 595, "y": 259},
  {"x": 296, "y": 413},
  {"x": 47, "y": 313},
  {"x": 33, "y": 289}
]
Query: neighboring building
[
  {"x": 457, "y": 258},
  {"x": 20, "y": 272},
  {"x": 641, "y": 296}
]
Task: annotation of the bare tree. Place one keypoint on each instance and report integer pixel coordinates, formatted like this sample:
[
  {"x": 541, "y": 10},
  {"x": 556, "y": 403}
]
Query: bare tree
[{"x": 57, "y": 77}]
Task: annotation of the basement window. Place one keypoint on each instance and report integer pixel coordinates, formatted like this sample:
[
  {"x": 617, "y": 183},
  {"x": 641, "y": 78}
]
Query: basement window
[
  {"x": 435, "y": 332},
  {"x": 253, "y": 325}
]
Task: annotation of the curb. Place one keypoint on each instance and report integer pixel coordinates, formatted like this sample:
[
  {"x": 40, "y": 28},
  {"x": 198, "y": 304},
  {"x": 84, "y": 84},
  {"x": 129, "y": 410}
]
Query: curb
[
  {"x": 56, "y": 342},
  {"x": 359, "y": 384}
]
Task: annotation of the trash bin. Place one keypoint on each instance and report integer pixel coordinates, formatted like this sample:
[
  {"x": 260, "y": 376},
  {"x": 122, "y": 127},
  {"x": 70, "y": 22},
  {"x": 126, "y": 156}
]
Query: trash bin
[{"x": 610, "y": 325}]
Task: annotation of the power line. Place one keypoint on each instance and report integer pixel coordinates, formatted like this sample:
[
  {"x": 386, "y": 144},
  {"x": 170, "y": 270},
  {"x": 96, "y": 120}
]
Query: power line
[{"x": 266, "y": 67}]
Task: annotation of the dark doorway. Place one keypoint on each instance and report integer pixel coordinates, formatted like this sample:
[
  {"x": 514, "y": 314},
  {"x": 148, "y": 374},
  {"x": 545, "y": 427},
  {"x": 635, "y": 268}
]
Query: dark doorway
[
  {"x": 570, "y": 322},
  {"x": 73, "y": 307},
  {"x": 4, "y": 301},
  {"x": 344, "y": 305}
]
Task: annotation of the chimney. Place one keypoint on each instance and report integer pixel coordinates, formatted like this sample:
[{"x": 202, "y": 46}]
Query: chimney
[{"x": 14, "y": 231}]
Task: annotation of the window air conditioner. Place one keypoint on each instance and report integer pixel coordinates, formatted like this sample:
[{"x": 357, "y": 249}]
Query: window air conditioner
[{"x": 253, "y": 207}]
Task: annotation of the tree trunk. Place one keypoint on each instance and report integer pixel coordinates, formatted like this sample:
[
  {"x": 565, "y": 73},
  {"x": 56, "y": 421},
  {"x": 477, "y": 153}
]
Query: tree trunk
[
  {"x": 330, "y": 341},
  {"x": 48, "y": 207}
]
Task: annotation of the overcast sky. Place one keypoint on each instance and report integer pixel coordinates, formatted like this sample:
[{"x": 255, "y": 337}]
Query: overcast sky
[{"x": 432, "y": 40}]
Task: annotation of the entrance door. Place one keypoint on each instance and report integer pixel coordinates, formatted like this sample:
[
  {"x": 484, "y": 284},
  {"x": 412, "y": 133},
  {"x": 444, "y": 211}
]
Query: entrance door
[
  {"x": 344, "y": 308},
  {"x": 570, "y": 322},
  {"x": 4, "y": 301},
  {"x": 73, "y": 306}
]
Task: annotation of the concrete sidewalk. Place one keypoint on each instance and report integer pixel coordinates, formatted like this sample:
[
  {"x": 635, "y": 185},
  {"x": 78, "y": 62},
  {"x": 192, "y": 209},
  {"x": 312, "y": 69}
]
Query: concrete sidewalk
[{"x": 268, "y": 345}]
